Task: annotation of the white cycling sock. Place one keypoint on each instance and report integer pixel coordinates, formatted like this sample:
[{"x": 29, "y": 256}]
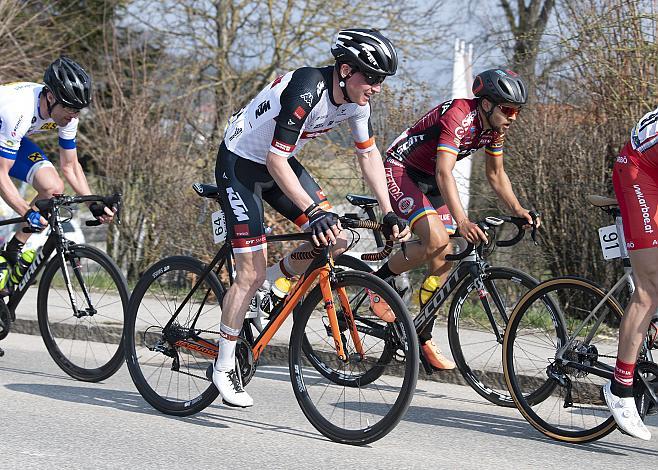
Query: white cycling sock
[{"x": 227, "y": 341}]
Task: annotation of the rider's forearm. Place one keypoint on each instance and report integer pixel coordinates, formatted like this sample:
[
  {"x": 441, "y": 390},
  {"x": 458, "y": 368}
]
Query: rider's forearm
[
  {"x": 372, "y": 169},
  {"x": 286, "y": 179},
  {"x": 502, "y": 186},
  {"x": 72, "y": 172},
  {"x": 11, "y": 196}
]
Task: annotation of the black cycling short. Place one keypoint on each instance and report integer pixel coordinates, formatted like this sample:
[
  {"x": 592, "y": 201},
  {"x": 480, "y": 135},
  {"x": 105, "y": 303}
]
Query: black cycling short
[{"x": 244, "y": 185}]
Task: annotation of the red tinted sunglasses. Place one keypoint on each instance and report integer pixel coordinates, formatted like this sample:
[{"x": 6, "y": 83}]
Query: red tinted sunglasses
[{"x": 509, "y": 111}]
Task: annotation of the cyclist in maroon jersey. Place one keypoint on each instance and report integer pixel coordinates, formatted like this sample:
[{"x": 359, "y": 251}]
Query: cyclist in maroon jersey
[
  {"x": 419, "y": 176},
  {"x": 635, "y": 180}
]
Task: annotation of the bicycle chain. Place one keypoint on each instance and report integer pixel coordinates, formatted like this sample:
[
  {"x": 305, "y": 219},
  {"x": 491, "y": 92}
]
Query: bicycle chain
[{"x": 193, "y": 375}]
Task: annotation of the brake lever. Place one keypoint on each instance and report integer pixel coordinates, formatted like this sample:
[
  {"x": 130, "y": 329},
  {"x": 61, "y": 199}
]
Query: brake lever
[{"x": 533, "y": 233}]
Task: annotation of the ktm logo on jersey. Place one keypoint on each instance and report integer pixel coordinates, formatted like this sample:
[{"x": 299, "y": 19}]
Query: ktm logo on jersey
[{"x": 263, "y": 108}]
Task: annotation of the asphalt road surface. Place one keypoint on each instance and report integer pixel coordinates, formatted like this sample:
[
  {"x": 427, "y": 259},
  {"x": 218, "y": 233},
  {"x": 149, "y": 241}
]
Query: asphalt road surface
[{"x": 52, "y": 421}]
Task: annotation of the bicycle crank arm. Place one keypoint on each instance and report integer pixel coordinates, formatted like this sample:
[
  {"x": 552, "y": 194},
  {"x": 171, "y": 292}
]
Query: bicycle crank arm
[{"x": 429, "y": 370}]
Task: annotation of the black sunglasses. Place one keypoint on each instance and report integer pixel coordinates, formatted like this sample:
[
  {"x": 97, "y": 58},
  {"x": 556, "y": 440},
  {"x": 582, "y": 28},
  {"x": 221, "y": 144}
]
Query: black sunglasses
[{"x": 373, "y": 79}]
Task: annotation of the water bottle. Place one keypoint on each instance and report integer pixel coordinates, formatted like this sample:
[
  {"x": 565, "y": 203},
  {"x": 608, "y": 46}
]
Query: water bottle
[
  {"x": 20, "y": 268},
  {"x": 275, "y": 296},
  {"x": 431, "y": 284}
]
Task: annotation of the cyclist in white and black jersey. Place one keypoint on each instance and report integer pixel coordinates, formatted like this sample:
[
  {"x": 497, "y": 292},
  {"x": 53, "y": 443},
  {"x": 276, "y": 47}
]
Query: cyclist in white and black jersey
[
  {"x": 256, "y": 162},
  {"x": 28, "y": 108}
]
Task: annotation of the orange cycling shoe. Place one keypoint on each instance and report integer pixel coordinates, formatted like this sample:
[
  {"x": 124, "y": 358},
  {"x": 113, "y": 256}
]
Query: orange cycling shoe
[
  {"x": 435, "y": 357},
  {"x": 380, "y": 308}
]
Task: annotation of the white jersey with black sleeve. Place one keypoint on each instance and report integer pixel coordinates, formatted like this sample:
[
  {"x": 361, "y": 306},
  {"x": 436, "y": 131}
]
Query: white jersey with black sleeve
[{"x": 293, "y": 109}]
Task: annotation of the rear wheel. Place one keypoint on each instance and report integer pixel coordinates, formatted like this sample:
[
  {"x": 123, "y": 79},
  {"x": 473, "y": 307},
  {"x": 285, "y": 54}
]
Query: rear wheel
[
  {"x": 550, "y": 337},
  {"x": 169, "y": 365}
]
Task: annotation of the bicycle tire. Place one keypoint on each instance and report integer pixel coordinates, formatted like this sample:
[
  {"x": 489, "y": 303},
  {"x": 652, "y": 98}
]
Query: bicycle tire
[
  {"x": 395, "y": 390},
  {"x": 479, "y": 358},
  {"x": 562, "y": 402},
  {"x": 352, "y": 263},
  {"x": 150, "y": 356},
  {"x": 89, "y": 347}
]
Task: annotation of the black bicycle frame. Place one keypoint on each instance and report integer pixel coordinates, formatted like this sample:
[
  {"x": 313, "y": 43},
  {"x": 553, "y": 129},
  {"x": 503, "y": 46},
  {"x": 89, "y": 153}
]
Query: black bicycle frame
[{"x": 466, "y": 269}]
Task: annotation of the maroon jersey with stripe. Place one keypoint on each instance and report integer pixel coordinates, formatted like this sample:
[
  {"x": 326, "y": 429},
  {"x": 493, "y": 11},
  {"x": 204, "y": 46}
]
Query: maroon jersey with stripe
[{"x": 454, "y": 127}]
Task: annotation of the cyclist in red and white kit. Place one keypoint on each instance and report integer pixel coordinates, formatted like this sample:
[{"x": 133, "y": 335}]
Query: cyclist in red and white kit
[
  {"x": 256, "y": 162},
  {"x": 419, "y": 176},
  {"x": 635, "y": 180}
]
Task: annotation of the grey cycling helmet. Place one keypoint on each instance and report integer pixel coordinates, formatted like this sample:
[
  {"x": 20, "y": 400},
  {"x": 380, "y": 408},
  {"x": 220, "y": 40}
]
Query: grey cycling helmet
[
  {"x": 501, "y": 86},
  {"x": 367, "y": 50},
  {"x": 69, "y": 82}
]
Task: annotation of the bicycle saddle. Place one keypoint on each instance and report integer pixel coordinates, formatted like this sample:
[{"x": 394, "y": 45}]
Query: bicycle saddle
[
  {"x": 206, "y": 190},
  {"x": 601, "y": 201}
]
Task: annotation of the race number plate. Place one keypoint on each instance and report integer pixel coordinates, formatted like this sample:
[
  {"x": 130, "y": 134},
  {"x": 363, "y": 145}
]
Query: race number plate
[
  {"x": 218, "y": 227},
  {"x": 609, "y": 242}
]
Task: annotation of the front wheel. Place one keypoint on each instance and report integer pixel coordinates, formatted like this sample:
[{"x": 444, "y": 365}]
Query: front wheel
[
  {"x": 84, "y": 338},
  {"x": 353, "y": 410},
  {"x": 476, "y": 339}
]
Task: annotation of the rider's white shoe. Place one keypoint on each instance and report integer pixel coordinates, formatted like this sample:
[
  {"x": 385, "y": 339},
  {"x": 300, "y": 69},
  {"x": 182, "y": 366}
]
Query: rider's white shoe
[
  {"x": 625, "y": 413},
  {"x": 229, "y": 384}
]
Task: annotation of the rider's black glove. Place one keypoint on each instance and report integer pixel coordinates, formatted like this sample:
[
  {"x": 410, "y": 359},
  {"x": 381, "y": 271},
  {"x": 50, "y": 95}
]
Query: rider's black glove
[
  {"x": 392, "y": 220},
  {"x": 321, "y": 221},
  {"x": 97, "y": 209}
]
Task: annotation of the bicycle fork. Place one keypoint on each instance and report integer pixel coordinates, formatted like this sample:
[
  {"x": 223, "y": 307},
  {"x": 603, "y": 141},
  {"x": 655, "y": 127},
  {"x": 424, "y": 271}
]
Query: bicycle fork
[
  {"x": 325, "y": 287},
  {"x": 75, "y": 266}
]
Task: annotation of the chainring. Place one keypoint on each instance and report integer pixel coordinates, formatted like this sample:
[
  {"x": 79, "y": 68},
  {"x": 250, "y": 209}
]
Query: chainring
[
  {"x": 644, "y": 402},
  {"x": 245, "y": 358}
]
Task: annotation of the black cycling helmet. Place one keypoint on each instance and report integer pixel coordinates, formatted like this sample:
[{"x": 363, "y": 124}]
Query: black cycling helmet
[
  {"x": 501, "y": 86},
  {"x": 367, "y": 50},
  {"x": 69, "y": 82}
]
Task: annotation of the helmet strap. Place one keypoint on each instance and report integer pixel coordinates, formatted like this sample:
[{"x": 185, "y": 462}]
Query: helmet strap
[
  {"x": 49, "y": 106},
  {"x": 342, "y": 83},
  {"x": 487, "y": 114}
]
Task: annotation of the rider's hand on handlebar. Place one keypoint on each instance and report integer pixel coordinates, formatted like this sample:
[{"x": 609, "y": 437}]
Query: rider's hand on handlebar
[
  {"x": 35, "y": 220},
  {"x": 527, "y": 215},
  {"x": 395, "y": 228},
  {"x": 471, "y": 232},
  {"x": 100, "y": 211},
  {"x": 325, "y": 226}
]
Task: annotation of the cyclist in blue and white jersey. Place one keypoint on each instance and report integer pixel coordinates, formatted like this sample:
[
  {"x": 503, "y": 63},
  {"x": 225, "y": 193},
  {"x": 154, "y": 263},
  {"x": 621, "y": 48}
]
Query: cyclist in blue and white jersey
[
  {"x": 26, "y": 109},
  {"x": 256, "y": 162}
]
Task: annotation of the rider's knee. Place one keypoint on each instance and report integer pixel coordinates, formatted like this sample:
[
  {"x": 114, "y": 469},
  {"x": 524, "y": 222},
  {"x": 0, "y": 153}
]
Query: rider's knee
[
  {"x": 435, "y": 245},
  {"x": 53, "y": 186},
  {"x": 250, "y": 278}
]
